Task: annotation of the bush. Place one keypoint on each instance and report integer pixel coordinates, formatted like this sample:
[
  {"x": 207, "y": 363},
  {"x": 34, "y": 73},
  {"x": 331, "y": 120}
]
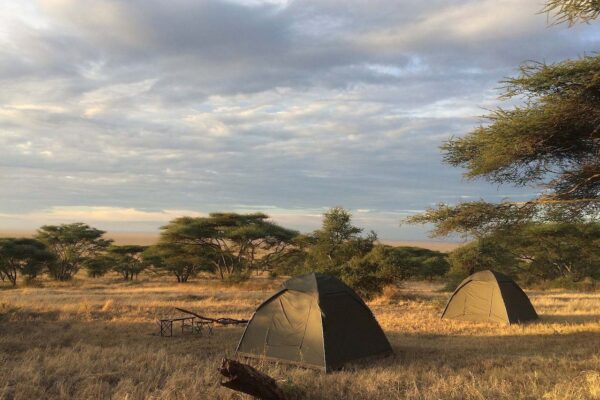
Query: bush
[
  {"x": 293, "y": 263},
  {"x": 366, "y": 277},
  {"x": 98, "y": 266},
  {"x": 410, "y": 262},
  {"x": 534, "y": 253}
]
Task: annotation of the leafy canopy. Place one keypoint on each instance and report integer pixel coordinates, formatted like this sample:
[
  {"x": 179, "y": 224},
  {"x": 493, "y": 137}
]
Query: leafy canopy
[
  {"x": 553, "y": 141},
  {"x": 72, "y": 245},
  {"x": 340, "y": 249},
  {"x": 22, "y": 256},
  {"x": 533, "y": 252},
  {"x": 405, "y": 262},
  {"x": 127, "y": 260},
  {"x": 183, "y": 261},
  {"x": 235, "y": 243},
  {"x": 337, "y": 242}
]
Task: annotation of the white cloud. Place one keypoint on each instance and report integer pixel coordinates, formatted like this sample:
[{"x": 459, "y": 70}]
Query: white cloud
[{"x": 113, "y": 96}]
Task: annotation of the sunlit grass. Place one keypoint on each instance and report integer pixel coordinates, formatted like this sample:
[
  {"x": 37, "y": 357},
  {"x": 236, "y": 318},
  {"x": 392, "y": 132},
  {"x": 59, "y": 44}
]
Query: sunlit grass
[{"x": 97, "y": 339}]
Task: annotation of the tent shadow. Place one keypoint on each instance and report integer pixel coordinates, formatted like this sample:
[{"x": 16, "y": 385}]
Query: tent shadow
[{"x": 472, "y": 352}]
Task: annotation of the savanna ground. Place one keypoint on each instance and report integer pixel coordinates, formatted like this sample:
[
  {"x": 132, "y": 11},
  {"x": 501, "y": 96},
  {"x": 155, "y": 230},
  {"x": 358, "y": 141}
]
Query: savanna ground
[{"x": 97, "y": 339}]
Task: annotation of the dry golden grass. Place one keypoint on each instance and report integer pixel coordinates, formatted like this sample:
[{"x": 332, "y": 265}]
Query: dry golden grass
[{"x": 97, "y": 339}]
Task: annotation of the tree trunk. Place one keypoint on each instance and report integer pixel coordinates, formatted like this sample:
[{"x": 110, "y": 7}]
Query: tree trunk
[
  {"x": 246, "y": 379},
  {"x": 12, "y": 276}
]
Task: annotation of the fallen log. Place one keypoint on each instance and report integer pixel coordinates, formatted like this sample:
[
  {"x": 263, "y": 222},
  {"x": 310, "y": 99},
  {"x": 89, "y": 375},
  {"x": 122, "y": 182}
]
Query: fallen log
[{"x": 246, "y": 379}]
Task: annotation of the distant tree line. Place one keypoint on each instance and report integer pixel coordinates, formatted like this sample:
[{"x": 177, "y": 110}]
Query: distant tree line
[
  {"x": 231, "y": 246},
  {"x": 234, "y": 246}
]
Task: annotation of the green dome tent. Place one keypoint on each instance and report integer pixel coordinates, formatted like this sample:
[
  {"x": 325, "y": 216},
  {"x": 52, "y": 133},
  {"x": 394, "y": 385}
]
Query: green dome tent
[
  {"x": 315, "y": 321},
  {"x": 489, "y": 296}
]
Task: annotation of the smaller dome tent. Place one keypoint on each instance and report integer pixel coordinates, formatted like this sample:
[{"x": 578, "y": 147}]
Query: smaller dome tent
[
  {"x": 489, "y": 296},
  {"x": 314, "y": 321}
]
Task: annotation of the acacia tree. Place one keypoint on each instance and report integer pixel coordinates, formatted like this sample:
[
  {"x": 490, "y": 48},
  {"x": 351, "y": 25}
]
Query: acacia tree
[
  {"x": 72, "y": 245},
  {"x": 183, "y": 261},
  {"x": 127, "y": 260},
  {"x": 235, "y": 243},
  {"x": 552, "y": 142},
  {"x": 26, "y": 257},
  {"x": 99, "y": 265}
]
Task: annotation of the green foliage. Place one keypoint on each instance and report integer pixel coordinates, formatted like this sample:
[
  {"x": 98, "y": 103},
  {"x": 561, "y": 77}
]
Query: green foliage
[
  {"x": 339, "y": 249},
  {"x": 127, "y": 260},
  {"x": 99, "y": 265},
  {"x": 27, "y": 257},
  {"x": 479, "y": 218},
  {"x": 337, "y": 242},
  {"x": 72, "y": 245},
  {"x": 365, "y": 276},
  {"x": 478, "y": 255},
  {"x": 533, "y": 253},
  {"x": 475, "y": 218},
  {"x": 236, "y": 278},
  {"x": 552, "y": 142},
  {"x": 551, "y": 251},
  {"x": 409, "y": 262},
  {"x": 584, "y": 285},
  {"x": 572, "y": 11},
  {"x": 183, "y": 261},
  {"x": 236, "y": 244},
  {"x": 293, "y": 264},
  {"x": 434, "y": 266}
]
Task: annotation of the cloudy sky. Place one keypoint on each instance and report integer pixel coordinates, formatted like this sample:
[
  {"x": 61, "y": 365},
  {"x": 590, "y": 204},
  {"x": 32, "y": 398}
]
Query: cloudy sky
[{"x": 125, "y": 114}]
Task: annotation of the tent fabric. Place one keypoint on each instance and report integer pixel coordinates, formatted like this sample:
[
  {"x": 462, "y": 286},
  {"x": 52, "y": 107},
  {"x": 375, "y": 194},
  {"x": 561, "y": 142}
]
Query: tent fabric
[
  {"x": 489, "y": 296},
  {"x": 315, "y": 321}
]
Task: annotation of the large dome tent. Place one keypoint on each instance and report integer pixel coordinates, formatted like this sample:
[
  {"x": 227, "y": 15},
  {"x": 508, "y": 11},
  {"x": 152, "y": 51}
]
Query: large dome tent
[{"x": 314, "y": 321}]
